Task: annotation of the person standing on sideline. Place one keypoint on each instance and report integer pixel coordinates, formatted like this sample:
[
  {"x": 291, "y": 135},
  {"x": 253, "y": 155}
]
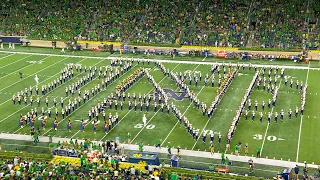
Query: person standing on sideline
[
  {"x": 296, "y": 171},
  {"x": 223, "y": 160},
  {"x": 227, "y": 162},
  {"x": 169, "y": 148},
  {"x": 258, "y": 152},
  {"x": 129, "y": 138}
]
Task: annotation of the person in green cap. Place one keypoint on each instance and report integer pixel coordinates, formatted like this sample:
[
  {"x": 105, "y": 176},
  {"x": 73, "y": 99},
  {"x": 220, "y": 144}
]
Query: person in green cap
[
  {"x": 141, "y": 147},
  {"x": 169, "y": 148},
  {"x": 129, "y": 138}
]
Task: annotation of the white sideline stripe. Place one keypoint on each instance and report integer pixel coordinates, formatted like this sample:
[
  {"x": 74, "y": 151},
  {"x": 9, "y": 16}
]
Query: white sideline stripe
[
  {"x": 4, "y": 57},
  {"x": 94, "y": 118},
  {"x": 131, "y": 109},
  {"x": 202, "y": 154},
  {"x": 300, "y": 128},
  {"x": 265, "y": 134},
  {"x": 39, "y": 83},
  {"x": 15, "y": 61},
  {"x": 27, "y": 104},
  {"x": 21, "y": 68},
  {"x": 184, "y": 111},
  {"x": 83, "y": 103},
  {"x": 59, "y": 87},
  {"x": 29, "y": 75},
  {"x": 167, "y": 61}
]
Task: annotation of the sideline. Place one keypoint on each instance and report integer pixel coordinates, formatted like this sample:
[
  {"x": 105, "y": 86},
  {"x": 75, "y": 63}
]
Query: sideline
[
  {"x": 163, "y": 60},
  {"x": 134, "y": 147}
]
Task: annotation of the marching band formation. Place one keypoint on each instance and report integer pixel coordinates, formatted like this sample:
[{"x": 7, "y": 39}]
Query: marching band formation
[{"x": 266, "y": 81}]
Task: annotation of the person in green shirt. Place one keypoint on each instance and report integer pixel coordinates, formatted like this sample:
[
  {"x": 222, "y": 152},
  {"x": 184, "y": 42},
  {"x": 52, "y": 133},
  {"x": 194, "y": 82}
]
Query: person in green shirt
[
  {"x": 141, "y": 147},
  {"x": 51, "y": 146},
  {"x": 82, "y": 159},
  {"x": 227, "y": 162},
  {"x": 169, "y": 148},
  {"x": 236, "y": 150},
  {"x": 58, "y": 144},
  {"x": 211, "y": 167},
  {"x": 35, "y": 138},
  {"x": 71, "y": 142},
  {"x": 50, "y": 136},
  {"x": 258, "y": 152},
  {"x": 158, "y": 143},
  {"x": 222, "y": 158}
]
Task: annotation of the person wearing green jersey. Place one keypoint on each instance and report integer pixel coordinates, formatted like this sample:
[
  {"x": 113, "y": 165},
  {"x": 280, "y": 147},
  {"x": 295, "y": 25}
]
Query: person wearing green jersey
[
  {"x": 258, "y": 152},
  {"x": 158, "y": 143},
  {"x": 236, "y": 150},
  {"x": 169, "y": 148},
  {"x": 227, "y": 162},
  {"x": 50, "y": 136},
  {"x": 141, "y": 147},
  {"x": 36, "y": 138},
  {"x": 222, "y": 158},
  {"x": 82, "y": 159}
]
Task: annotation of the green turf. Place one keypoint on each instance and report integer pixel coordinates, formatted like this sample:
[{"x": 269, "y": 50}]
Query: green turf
[{"x": 161, "y": 125}]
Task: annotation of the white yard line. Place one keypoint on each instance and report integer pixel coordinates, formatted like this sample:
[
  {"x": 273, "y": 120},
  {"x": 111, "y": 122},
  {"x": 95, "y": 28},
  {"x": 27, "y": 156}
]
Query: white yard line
[
  {"x": 300, "y": 128},
  {"x": 145, "y": 125},
  {"x": 61, "y": 85},
  {"x": 206, "y": 122},
  {"x": 40, "y": 82},
  {"x": 15, "y": 61},
  {"x": 265, "y": 134},
  {"x": 86, "y": 102},
  {"x": 6, "y": 56},
  {"x": 29, "y": 104},
  {"x": 33, "y": 73},
  {"x": 181, "y": 115},
  {"x": 22, "y": 68},
  {"x": 184, "y": 111},
  {"x": 94, "y": 118},
  {"x": 131, "y": 109},
  {"x": 162, "y": 60}
]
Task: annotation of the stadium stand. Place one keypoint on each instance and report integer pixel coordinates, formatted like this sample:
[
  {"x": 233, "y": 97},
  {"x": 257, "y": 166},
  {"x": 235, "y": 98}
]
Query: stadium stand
[{"x": 274, "y": 24}]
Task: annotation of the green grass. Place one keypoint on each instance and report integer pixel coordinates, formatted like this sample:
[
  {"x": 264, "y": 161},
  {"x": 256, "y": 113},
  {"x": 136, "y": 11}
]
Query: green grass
[{"x": 162, "y": 125}]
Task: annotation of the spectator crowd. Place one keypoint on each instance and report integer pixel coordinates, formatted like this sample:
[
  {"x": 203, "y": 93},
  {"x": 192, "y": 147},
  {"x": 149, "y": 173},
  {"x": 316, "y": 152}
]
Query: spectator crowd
[{"x": 274, "y": 24}]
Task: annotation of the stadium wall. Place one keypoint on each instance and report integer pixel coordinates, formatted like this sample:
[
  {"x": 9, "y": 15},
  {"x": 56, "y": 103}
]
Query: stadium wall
[{"x": 313, "y": 55}]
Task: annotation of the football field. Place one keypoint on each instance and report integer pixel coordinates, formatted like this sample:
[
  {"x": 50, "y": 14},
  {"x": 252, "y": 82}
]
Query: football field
[{"x": 294, "y": 139}]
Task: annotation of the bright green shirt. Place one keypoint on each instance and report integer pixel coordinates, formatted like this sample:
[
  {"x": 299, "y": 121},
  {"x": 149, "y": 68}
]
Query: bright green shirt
[{"x": 169, "y": 146}]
